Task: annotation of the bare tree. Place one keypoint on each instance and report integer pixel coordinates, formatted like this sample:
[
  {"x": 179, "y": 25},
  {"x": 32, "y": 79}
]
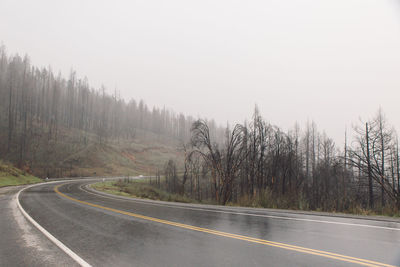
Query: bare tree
[{"x": 224, "y": 163}]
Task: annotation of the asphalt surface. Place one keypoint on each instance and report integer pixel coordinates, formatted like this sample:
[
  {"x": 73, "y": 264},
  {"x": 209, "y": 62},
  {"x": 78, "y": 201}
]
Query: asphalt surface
[
  {"x": 111, "y": 231},
  {"x": 21, "y": 244}
]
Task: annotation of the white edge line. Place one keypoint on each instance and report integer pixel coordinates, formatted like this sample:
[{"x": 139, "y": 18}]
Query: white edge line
[
  {"x": 57, "y": 242},
  {"x": 116, "y": 197}
]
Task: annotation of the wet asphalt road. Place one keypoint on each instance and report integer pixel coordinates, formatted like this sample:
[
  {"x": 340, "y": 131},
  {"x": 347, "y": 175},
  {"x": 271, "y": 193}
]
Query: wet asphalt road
[
  {"x": 108, "y": 238},
  {"x": 21, "y": 244}
]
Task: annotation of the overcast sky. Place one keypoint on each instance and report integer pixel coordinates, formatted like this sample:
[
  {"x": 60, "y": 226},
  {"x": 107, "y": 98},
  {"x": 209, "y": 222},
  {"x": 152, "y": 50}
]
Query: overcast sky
[{"x": 328, "y": 61}]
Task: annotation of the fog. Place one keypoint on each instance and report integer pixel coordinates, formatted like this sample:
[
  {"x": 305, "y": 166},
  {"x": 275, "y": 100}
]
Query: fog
[{"x": 327, "y": 61}]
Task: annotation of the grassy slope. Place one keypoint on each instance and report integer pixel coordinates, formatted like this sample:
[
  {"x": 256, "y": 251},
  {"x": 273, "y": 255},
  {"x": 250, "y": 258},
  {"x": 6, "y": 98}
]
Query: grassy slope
[
  {"x": 139, "y": 189},
  {"x": 120, "y": 159},
  {"x": 74, "y": 153},
  {"x": 10, "y": 175},
  {"x": 144, "y": 154}
]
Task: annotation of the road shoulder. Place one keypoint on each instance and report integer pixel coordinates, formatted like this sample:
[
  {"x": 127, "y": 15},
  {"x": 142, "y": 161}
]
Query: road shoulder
[{"x": 21, "y": 244}]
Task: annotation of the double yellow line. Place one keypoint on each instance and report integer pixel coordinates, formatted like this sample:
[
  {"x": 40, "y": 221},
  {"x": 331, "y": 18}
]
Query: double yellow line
[{"x": 234, "y": 236}]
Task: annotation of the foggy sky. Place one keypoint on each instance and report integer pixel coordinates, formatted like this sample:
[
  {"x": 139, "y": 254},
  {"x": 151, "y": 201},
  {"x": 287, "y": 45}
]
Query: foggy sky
[{"x": 327, "y": 61}]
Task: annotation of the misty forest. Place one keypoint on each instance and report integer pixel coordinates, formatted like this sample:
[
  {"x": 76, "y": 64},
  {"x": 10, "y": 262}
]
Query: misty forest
[{"x": 53, "y": 126}]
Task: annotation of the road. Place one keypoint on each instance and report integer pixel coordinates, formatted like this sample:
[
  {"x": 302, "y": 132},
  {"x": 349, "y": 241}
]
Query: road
[
  {"x": 115, "y": 231},
  {"x": 21, "y": 244}
]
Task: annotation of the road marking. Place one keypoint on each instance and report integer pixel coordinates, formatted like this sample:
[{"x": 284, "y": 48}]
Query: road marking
[
  {"x": 248, "y": 214},
  {"x": 57, "y": 242},
  {"x": 234, "y": 236}
]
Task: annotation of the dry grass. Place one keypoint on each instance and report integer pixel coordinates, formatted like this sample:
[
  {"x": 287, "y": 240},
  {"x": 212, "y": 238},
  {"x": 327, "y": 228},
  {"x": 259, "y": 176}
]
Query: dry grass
[
  {"x": 139, "y": 189},
  {"x": 10, "y": 175}
]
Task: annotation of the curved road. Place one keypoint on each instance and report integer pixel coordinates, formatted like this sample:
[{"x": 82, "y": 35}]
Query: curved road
[{"x": 114, "y": 231}]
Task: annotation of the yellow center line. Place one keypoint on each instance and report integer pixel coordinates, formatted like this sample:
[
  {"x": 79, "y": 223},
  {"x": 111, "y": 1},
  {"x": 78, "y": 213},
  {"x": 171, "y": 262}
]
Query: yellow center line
[{"x": 235, "y": 236}]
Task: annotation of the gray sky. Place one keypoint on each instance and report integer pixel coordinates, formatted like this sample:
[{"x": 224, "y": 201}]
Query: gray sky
[{"x": 327, "y": 61}]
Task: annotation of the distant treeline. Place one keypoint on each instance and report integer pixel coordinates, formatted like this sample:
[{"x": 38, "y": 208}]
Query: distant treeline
[
  {"x": 38, "y": 108},
  {"x": 259, "y": 164}
]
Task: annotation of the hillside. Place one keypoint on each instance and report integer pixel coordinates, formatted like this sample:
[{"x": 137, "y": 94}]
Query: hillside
[
  {"x": 76, "y": 153},
  {"x": 57, "y": 127},
  {"x": 10, "y": 175},
  {"x": 128, "y": 158}
]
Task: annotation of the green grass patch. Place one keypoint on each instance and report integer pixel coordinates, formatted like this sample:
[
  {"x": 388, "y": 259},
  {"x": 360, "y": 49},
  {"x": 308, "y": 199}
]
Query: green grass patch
[
  {"x": 10, "y": 175},
  {"x": 139, "y": 189}
]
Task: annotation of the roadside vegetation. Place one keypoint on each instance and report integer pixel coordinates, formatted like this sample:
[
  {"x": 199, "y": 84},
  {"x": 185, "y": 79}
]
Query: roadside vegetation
[
  {"x": 139, "y": 189},
  {"x": 10, "y": 175},
  {"x": 259, "y": 165},
  {"x": 151, "y": 190}
]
